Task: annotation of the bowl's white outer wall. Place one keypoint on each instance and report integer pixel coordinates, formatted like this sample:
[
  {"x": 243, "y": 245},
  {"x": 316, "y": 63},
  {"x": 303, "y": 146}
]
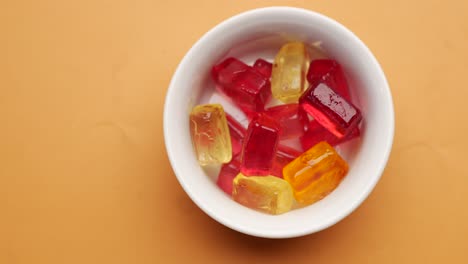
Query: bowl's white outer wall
[{"x": 369, "y": 84}]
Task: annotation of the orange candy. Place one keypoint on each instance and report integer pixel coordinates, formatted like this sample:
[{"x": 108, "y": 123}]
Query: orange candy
[{"x": 315, "y": 173}]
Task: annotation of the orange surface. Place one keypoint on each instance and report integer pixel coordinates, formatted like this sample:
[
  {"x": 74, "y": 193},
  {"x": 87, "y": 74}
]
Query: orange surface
[
  {"x": 315, "y": 173},
  {"x": 84, "y": 177}
]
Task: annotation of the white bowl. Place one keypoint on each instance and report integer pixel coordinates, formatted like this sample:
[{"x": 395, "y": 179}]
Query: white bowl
[{"x": 259, "y": 33}]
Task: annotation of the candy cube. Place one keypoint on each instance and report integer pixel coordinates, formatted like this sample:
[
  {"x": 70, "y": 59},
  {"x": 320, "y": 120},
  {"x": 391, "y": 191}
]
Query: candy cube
[
  {"x": 210, "y": 134},
  {"x": 265, "y": 193},
  {"x": 243, "y": 85},
  {"x": 284, "y": 155},
  {"x": 332, "y": 111},
  {"x": 315, "y": 173},
  {"x": 260, "y": 145},
  {"x": 237, "y": 132},
  {"x": 317, "y": 133},
  {"x": 227, "y": 174},
  {"x": 288, "y": 77},
  {"x": 292, "y": 119},
  {"x": 263, "y": 67},
  {"x": 225, "y": 72},
  {"x": 330, "y": 72}
]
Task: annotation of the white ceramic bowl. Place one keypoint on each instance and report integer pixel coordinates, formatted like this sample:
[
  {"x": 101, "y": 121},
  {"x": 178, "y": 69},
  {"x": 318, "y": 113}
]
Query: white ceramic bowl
[{"x": 260, "y": 33}]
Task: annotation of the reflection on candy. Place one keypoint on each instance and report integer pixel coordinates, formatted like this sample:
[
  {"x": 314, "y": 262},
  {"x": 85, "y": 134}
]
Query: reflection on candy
[
  {"x": 288, "y": 77},
  {"x": 315, "y": 173},
  {"x": 332, "y": 111},
  {"x": 260, "y": 146},
  {"x": 265, "y": 193},
  {"x": 246, "y": 87},
  {"x": 210, "y": 134}
]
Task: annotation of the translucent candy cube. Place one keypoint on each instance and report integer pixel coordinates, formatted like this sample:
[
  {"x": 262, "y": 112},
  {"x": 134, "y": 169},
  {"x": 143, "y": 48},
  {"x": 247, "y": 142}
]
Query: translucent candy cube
[
  {"x": 315, "y": 173},
  {"x": 332, "y": 111},
  {"x": 260, "y": 145},
  {"x": 288, "y": 77},
  {"x": 265, "y": 193},
  {"x": 246, "y": 87},
  {"x": 225, "y": 72},
  {"x": 210, "y": 134}
]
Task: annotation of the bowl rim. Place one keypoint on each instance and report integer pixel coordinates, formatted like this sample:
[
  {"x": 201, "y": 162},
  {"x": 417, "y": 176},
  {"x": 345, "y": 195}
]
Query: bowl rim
[{"x": 339, "y": 215}]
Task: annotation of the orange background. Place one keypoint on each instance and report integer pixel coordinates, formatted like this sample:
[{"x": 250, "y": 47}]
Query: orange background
[{"x": 84, "y": 177}]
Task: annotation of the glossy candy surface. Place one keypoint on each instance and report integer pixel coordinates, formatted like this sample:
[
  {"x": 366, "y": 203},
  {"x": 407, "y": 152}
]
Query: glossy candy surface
[
  {"x": 288, "y": 77},
  {"x": 260, "y": 146},
  {"x": 315, "y": 173},
  {"x": 331, "y": 110},
  {"x": 210, "y": 134},
  {"x": 246, "y": 87},
  {"x": 265, "y": 193}
]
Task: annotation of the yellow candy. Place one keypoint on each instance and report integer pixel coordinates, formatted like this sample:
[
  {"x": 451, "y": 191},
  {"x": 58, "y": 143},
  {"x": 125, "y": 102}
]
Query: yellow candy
[
  {"x": 315, "y": 173},
  {"x": 265, "y": 193},
  {"x": 210, "y": 134},
  {"x": 288, "y": 77}
]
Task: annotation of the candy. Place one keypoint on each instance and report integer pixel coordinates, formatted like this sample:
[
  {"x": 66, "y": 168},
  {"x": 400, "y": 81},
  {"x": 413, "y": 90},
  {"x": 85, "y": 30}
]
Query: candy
[
  {"x": 330, "y": 72},
  {"x": 292, "y": 119},
  {"x": 246, "y": 87},
  {"x": 284, "y": 155},
  {"x": 265, "y": 193},
  {"x": 263, "y": 67},
  {"x": 288, "y": 77},
  {"x": 210, "y": 134},
  {"x": 331, "y": 110},
  {"x": 260, "y": 145},
  {"x": 225, "y": 72},
  {"x": 317, "y": 133},
  {"x": 227, "y": 174},
  {"x": 315, "y": 173},
  {"x": 237, "y": 132}
]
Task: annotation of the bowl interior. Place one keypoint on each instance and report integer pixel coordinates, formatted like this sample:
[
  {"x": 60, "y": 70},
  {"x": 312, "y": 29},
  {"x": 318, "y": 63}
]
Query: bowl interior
[{"x": 259, "y": 34}]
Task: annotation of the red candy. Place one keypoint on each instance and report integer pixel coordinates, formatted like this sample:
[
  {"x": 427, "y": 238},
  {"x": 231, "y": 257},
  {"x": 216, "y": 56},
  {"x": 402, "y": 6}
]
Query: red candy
[
  {"x": 246, "y": 87},
  {"x": 284, "y": 155},
  {"x": 263, "y": 67},
  {"x": 292, "y": 119},
  {"x": 332, "y": 111},
  {"x": 330, "y": 72},
  {"x": 225, "y": 72},
  {"x": 317, "y": 133},
  {"x": 237, "y": 132},
  {"x": 260, "y": 146},
  {"x": 227, "y": 173}
]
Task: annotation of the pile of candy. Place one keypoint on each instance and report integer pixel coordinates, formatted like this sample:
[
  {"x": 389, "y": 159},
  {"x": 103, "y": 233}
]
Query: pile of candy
[{"x": 259, "y": 170}]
